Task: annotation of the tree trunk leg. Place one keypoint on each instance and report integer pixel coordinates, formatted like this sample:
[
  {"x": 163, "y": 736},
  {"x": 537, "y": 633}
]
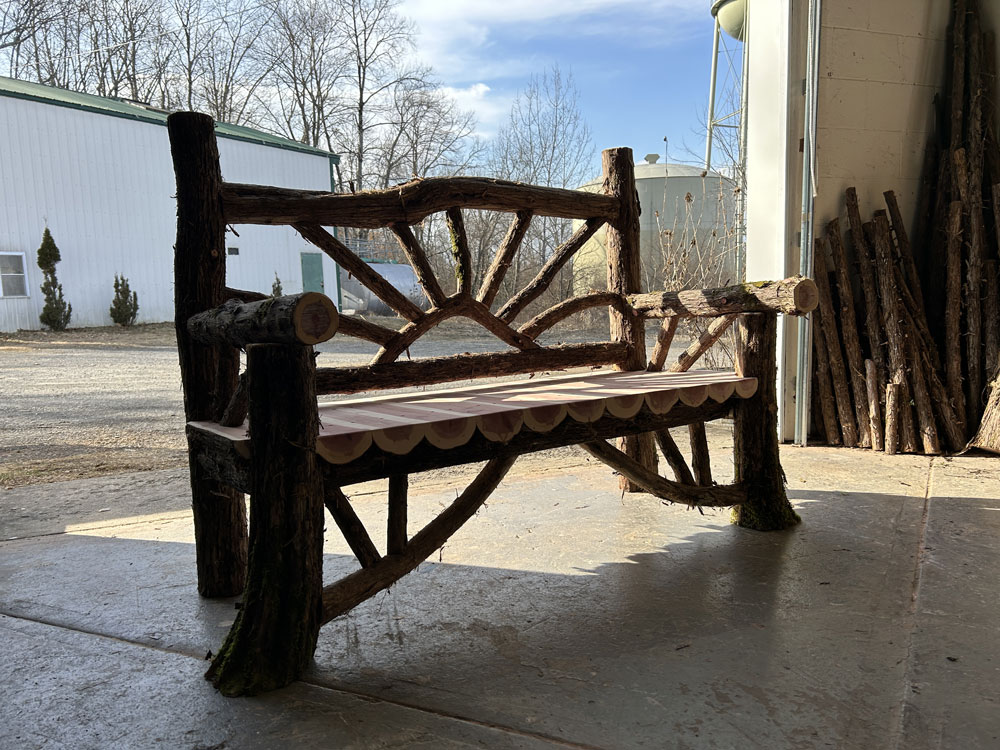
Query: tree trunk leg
[
  {"x": 208, "y": 373},
  {"x": 755, "y": 430},
  {"x": 220, "y": 534},
  {"x": 274, "y": 636}
]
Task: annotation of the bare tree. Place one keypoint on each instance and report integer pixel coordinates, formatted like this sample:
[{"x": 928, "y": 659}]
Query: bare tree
[
  {"x": 190, "y": 41},
  {"x": 232, "y": 67},
  {"x": 425, "y": 133},
  {"x": 545, "y": 141},
  {"x": 377, "y": 40},
  {"x": 21, "y": 19},
  {"x": 308, "y": 68}
]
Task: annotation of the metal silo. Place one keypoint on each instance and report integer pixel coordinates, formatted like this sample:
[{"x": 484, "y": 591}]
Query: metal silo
[{"x": 687, "y": 233}]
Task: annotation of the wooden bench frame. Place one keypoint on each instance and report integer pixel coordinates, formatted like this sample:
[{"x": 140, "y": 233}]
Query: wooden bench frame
[{"x": 278, "y": 567}]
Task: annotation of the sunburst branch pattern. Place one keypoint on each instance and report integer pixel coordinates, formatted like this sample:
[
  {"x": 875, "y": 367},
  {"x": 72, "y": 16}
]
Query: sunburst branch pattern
[
  {"x": 360, "y": 270},
  {"x": 548, "y": 272},
  {"x": 505, "y": 255},
  {"x": 418, "y": 259},
  {"x": 460, "y": 250}
]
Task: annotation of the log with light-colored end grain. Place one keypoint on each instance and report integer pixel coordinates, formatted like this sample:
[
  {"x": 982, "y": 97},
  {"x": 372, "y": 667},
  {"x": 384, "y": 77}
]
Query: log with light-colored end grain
[{"x": 305, "y": 319}]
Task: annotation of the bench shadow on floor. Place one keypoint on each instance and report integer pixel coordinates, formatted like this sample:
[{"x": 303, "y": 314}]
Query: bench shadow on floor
[{"x": 801, "y": 633}]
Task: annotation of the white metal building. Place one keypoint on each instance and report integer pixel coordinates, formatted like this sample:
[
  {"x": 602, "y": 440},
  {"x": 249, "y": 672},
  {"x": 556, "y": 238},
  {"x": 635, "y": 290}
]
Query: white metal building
[{"x": 98, "y": 173}]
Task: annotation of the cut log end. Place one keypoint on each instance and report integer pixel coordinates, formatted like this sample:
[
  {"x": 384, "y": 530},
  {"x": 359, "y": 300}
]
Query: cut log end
[
  {"x": 805, "y": 295},
  {"x": 315, "y": 318}
]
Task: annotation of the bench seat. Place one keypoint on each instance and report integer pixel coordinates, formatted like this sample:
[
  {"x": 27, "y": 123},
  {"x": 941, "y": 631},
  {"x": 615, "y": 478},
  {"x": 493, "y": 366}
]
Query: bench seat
[{"x": 450, "y": 417}]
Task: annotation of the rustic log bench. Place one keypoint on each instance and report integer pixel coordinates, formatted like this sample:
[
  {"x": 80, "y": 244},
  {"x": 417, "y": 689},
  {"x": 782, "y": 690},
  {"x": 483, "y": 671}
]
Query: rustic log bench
[{"x": 265, "y": 433}]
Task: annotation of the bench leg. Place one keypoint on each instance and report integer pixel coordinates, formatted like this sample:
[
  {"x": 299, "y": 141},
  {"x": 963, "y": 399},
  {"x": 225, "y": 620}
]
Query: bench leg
[
  {"x": 220, "y": 533},
  {"x": 274, "y": 636},
  {"x": 755, "y": 430}
]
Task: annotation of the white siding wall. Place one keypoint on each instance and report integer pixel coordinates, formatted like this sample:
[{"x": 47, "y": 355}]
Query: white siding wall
[{"x": 104, "y": 186}]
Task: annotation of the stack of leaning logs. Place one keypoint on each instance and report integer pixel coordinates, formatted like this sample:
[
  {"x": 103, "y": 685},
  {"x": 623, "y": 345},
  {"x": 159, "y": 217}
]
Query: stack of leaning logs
[
  {"x": 889, "y": 395},
  {"x": 930, "y": 308}
]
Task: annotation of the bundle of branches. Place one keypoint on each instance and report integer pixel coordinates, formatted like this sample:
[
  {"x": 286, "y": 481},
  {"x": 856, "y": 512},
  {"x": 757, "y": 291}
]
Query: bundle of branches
[
  {"x": 883, "y": 389},
  {"x": 960, "y": 221},
  {"x": 946, "y": 294}
]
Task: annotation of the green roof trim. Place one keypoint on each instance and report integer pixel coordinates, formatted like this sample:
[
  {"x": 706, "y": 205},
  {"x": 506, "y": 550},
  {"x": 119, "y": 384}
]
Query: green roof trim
[{"x": 15, "y": 89}]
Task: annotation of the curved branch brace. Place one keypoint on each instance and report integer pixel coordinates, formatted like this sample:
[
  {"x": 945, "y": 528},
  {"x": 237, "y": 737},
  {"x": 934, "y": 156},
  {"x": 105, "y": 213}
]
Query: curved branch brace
[
  {"x": 549, "y": 271},
  {"x": 451, "y": 308},
  {"x": 717, "y": 496},
  {"x": 562, "y": 310},
  {"x": 363, "y": 584}
]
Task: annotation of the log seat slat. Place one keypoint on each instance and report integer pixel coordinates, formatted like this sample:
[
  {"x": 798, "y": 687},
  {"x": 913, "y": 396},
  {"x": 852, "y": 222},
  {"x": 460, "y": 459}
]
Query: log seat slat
[{"x": 448, "y": 417}]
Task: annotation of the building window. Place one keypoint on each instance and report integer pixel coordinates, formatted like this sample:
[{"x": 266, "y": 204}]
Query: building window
[
  {"x": 13, "y": 282},
  {"x": 233, "y": 250}
]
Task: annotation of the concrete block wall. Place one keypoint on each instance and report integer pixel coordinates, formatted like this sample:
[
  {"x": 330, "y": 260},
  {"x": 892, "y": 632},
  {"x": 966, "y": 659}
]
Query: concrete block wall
[{"x": 880, "y": 66}]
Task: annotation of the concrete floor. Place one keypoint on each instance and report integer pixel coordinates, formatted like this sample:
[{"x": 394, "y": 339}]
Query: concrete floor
[{"x": 563, "y": 616}]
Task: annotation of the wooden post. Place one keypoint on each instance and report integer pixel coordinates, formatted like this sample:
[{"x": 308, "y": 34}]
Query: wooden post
[
  {"x": 894, "y": 332},
  {"x": 874, "y": 412},
  {"x": 755, "y": 430},
  {"x": 864, "y": 253},
  {"x": 209, "y": 374},
  {"x": 953, "y": 310},
  {"x": 275, "y": 632},
  {"x": 827, "y": 324},
  {"x": 849, "y": 331},
  {"x": 624, "y": 277}
]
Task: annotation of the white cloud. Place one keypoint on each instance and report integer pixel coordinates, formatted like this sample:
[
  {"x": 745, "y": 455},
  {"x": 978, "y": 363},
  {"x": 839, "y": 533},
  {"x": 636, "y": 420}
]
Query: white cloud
[
  {"x": 458, "y": 37},
  {"x": 491, "y": 107},
  {"x": 477, "y": 47}
]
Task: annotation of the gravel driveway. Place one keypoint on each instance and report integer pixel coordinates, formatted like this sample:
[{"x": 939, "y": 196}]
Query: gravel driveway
[{"x": 90, "y": 402}]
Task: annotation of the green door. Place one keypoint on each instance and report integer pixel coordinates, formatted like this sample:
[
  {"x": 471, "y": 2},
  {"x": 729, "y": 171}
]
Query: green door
[{"x": 312, "y": 272}]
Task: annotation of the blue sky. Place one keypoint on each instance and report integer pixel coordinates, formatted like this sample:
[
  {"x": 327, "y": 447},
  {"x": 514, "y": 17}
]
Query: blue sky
[{"x": 641, "y": 67}]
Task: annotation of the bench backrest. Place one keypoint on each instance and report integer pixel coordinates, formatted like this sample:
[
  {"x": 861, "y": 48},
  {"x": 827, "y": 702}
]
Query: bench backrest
[
  {"x": 207, "y": 204},
  {"x": 397, "y": 210}
]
